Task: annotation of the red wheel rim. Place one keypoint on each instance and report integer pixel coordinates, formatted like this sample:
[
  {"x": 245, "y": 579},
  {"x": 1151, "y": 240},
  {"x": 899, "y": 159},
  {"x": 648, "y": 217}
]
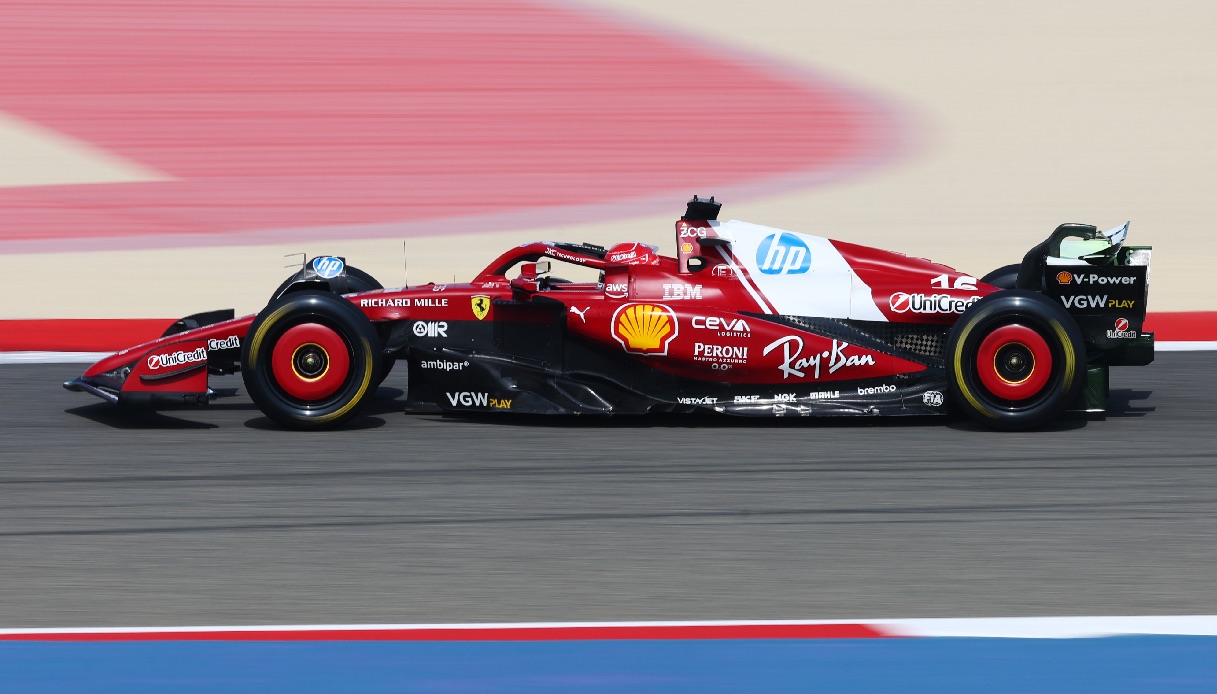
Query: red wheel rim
[
  {"x": 310, "y": 362},
  {"x": 1014, "y": 362}
]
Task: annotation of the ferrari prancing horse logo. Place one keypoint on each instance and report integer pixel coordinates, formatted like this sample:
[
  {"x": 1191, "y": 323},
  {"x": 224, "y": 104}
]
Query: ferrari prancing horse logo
[{"x": 481, "y": 305}]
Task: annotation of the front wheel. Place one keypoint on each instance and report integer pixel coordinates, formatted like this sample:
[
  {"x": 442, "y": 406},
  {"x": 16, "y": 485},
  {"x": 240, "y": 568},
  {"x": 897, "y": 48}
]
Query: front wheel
[
  {"x": 1016, "y": 360},
  {"x": 311, "y": 360}
]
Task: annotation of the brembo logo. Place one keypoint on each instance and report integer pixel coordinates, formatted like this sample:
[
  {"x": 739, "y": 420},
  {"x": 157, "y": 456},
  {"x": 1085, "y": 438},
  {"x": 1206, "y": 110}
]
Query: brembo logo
[
  {"x": 644, "y": 328},
  {"x": 930, "y": 303},
  {"x": 783, "y": 253},
  {"x": 168, "y": 361}
]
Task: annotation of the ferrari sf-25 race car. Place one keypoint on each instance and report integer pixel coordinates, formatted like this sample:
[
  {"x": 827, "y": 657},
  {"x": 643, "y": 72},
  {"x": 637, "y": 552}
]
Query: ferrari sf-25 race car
[{"x": 744, "y": 320}]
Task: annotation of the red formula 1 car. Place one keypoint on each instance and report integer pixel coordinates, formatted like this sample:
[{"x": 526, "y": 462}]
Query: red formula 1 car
[{"x": 744, "y": 320}]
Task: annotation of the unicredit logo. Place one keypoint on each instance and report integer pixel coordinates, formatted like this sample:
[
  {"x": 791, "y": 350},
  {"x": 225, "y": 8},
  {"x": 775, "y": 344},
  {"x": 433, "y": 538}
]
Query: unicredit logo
[
  {"x": 1121, "y": 324},
  {"x": 930, "y": 303},
  {"x": 166, "y": 361}
]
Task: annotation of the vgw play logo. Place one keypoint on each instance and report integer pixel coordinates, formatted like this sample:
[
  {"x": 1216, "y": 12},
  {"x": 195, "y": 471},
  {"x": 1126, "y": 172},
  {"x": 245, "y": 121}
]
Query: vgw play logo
[{"x": 783, "y": 253}]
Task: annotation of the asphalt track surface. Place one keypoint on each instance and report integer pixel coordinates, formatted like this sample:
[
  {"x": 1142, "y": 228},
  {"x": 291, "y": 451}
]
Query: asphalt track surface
[{"x": 213, "y": 516}]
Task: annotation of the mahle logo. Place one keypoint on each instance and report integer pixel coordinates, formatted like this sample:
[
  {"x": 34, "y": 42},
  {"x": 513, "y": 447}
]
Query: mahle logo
[
  {"x": 644, "y": 328},
  {"x": 783, "y": 253}
]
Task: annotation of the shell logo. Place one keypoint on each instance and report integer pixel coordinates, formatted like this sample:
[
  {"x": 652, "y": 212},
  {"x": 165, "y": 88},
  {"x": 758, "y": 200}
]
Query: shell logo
[
  {"x": 1063, "y": 277},
  {"x": 644, "y": 328}
]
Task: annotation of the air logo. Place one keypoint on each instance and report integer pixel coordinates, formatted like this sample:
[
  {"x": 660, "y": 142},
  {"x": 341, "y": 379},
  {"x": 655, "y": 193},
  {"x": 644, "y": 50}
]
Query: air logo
[
  {"x": 327, "y": 267},
  {"x": 431, "y": 328},
  {"x": 783, "y": 253}
]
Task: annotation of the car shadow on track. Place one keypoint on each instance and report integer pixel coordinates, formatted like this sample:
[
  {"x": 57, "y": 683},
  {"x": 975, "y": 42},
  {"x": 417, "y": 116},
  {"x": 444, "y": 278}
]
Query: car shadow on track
[
  {"x": 117, "y": 418},
  {"x": 385, "y": 401},
  {"x": 1119, "y": 404},
  {"x": 707, "y": 420}
]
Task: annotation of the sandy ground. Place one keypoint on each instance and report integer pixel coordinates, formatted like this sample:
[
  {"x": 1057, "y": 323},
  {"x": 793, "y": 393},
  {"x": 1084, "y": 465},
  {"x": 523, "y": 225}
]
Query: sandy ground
[{"x": 1019, "y": 118}]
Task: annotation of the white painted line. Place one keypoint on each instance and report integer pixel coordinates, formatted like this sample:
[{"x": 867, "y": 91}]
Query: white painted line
[
  {"x": 1055, "y": 627},
  {"x": 52, "y": 357},
  {"x": 999, "y": 627},
  {"x": 1196, "y": 346},
  {"x": 474, "y": 626},
  {"x": 90, "y": 357}
]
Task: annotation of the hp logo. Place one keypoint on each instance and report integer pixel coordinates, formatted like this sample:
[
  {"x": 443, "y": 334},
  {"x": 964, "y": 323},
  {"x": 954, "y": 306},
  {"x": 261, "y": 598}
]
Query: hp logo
[
  {"x": 327, "y": 267},
  {"x": 783, "y": 253}
]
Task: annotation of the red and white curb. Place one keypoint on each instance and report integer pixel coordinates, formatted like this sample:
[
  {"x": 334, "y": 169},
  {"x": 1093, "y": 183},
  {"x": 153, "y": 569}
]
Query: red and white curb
[{"x": 1006, "y": 628}]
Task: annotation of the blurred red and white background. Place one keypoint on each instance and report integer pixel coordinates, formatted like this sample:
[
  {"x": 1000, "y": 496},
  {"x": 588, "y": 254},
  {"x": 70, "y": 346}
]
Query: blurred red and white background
[{"x": 161, "y": 158}]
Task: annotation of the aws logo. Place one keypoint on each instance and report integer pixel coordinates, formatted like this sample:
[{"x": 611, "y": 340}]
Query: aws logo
[
  {"x": 644, "y": 328},
  {"x": 783, "y": 253}
]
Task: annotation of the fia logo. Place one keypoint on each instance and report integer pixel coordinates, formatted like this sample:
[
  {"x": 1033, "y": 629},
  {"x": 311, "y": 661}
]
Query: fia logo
[
  {"x": 327, "y": 267},
  {"x": 783, "y": 253}
]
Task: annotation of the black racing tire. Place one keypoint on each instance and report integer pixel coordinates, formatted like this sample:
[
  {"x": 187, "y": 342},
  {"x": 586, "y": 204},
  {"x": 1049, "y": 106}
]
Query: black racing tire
[
  {"x": 357, "y": 281},
  {"x": 1015, "y": 360},
  {"x": 311, "y": 361},
  {"x": 1002, "y": 277}
]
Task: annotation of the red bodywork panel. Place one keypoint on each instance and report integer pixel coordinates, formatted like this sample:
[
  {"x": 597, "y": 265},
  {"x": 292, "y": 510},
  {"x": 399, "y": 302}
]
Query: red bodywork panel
[{"x": 699, "y": 315}]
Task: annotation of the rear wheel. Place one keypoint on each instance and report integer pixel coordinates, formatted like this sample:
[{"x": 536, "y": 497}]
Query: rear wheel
[
  {"x": 311, "y": 360},
  {"x": 1016, "y": 360}
]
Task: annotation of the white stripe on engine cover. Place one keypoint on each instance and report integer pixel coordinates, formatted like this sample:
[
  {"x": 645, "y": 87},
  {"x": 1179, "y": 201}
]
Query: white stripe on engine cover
[
  {"x": 739, "y": 275},
  {"x": 827, "y": 287}
]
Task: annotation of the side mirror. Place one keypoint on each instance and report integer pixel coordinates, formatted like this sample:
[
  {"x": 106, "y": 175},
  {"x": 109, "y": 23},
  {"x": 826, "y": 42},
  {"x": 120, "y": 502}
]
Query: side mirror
[{"x": 530, "y": 271}]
